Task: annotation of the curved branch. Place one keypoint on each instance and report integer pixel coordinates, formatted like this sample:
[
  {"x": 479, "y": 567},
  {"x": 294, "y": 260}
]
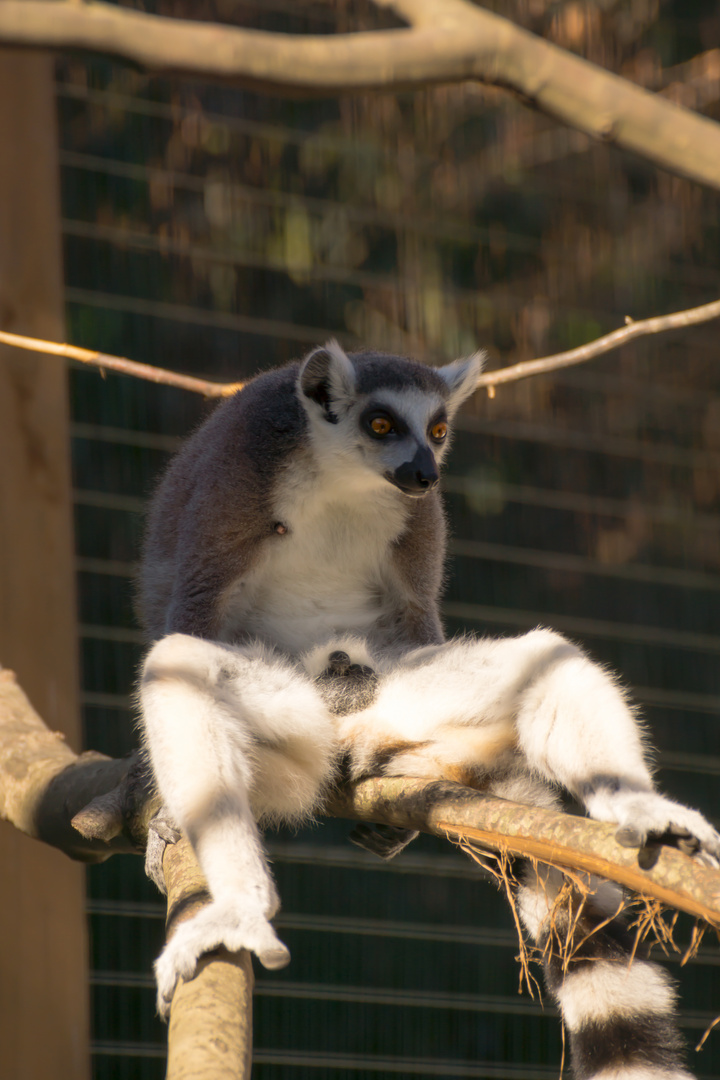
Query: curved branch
[
  {"x": 447, "y": 41},
  {"x": 122, "y": 366},
  {"x": 489, "y": 379},
  {"x": 210, "y": 1019},
  {"x": 44, "y": 785},
  {"x": 454, "y": 812},
  {"x": 657, "y": 325}
]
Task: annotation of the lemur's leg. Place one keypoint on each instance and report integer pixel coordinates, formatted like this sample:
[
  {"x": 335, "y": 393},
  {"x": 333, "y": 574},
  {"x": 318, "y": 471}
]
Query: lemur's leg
[
  {"x": 619, "y": 1015},
  {"x": 461, "y": 709},
  {"x": 234, "y": 735},
  {"x": 511, "y": 715}
]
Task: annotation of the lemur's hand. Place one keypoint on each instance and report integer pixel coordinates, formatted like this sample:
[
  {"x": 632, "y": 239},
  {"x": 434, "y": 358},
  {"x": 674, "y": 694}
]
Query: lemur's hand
[
  {"x": 654, "y": 820},
  {"x": 162, "y": 831},
  {"x": 647, "y": 820},
  {"x": 346, "y": 687}
]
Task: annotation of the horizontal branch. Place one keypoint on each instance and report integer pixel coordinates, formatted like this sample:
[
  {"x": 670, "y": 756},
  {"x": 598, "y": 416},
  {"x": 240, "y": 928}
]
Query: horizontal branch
[
  {"x": 454, "y": 812},
  {"x": 44, "y": 787},
  {"x": 447, "y": 41},
  {"x": 489, "y": 379},
  {"x": 43, "y": 784}
]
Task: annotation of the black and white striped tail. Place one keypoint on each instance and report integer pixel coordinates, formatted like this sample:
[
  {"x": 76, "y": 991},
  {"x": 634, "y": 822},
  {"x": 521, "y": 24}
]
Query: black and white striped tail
[{"x": 619, "y": 1015}]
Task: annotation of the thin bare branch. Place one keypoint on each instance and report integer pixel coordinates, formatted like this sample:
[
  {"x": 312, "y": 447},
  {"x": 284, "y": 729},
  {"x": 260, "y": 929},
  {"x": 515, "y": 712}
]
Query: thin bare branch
[
  {"x": 489, "y": 379},
  {"x": 632, "y": 329},
  {"x": 714, "y": 1024},
  {"x": 122, "y": 366},
  {"x": 447, "y": 41}
]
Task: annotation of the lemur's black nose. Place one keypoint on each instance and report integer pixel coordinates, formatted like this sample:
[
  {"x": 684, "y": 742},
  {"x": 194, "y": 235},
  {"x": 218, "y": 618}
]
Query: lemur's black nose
[
  {"x": 419, "y": 475},
  {"x": 425, "y": 482}
]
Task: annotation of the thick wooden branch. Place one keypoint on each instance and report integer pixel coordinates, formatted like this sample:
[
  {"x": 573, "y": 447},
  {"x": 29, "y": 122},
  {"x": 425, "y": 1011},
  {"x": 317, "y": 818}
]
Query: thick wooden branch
[
  {"x": 210, "y": 1033},
  {"x": 458, "y": 813},
  {"x": 447, "y": 41},
  {"x": 44, "y": 784},
  {"x": 91, "y": 806}
]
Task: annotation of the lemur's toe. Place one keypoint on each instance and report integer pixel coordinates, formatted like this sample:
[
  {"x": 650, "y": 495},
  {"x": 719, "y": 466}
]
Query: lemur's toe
[{"x": 274, "y": 958}]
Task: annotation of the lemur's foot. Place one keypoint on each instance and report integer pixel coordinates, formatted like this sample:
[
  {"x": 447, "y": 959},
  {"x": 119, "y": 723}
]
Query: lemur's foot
[
  {"x": 162, "y": 831},
  {"x": 646, "y": 820},
  {"x": 346, "y": 687},
  {"x": 228, "y": 923}
]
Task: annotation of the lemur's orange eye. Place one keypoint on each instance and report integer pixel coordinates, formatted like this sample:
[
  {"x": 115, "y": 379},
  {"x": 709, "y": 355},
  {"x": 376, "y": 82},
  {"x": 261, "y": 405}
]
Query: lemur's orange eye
[
  {"x": 381, "y": 425},
  {"x": 439, "y": 431}
]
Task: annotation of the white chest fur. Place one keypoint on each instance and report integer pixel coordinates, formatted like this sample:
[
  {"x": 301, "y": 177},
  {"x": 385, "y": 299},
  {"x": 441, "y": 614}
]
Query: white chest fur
[{"x": 328, "y": 574}]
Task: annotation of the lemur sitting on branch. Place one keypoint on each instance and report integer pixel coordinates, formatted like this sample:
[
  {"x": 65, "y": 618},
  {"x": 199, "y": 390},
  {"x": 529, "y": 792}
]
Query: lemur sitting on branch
[{"x": 293, "y": 565}]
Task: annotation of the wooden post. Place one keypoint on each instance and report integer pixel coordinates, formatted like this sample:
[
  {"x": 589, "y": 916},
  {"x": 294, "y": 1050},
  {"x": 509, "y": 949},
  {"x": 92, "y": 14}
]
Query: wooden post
[{"x": 43, "y": 949}]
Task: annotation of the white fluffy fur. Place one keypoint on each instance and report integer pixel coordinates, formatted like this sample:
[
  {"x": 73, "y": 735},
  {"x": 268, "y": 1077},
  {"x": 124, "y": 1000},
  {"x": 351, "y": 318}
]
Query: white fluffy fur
[
  {"x": 645, "y": 811},
  {"x": 536, "y": 694},
  {"x": 612, "y": 988},
  {"x": 461, "y": 377},
  {"x": 642, "y": 1072},
  {"x": 536, "y": 897},
  {"x": 341, "y": 521},
  {"x": 250, "y": 737}
]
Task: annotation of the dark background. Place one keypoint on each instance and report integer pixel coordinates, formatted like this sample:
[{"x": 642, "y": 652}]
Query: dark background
[{"x": 220, "y": 232}]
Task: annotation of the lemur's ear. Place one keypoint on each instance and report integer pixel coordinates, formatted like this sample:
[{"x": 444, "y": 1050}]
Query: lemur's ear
[
  {"x": 327, "y": 378},
  {"x": 461, "y": 378}
]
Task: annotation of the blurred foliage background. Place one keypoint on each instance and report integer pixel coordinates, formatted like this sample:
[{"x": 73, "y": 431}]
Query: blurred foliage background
[{"x": 220, "y": 232}]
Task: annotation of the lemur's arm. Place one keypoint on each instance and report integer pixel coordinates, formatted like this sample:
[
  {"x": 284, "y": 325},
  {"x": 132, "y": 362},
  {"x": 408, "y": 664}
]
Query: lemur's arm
[
  {"x": 417, "y": 574},
  {"x": 212, "y": 512}
]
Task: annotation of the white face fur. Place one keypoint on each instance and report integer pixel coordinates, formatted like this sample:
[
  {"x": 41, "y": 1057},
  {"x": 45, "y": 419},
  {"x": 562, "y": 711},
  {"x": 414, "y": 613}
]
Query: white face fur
[{"x": 389, "y": 435}]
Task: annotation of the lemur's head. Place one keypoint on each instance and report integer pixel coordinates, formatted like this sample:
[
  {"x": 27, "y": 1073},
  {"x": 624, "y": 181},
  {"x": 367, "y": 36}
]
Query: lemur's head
[{"x": 385, "y": 415}]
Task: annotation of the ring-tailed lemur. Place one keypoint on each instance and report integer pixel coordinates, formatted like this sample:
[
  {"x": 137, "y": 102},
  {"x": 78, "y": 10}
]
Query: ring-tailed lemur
[{"x": 293, "y": 563}]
